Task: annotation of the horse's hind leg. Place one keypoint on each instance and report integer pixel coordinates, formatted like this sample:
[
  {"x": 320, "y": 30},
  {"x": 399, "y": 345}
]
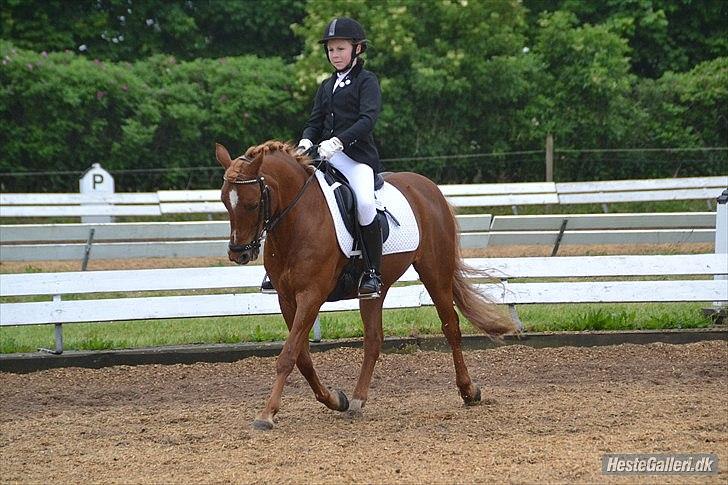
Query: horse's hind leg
[{"x": 440, "y": 288}]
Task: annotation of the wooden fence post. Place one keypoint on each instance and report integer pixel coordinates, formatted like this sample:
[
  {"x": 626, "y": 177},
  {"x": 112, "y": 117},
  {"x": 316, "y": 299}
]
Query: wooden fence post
[
  {"x": 549, "y": 164},
  {"x": 549, "y": 158}
]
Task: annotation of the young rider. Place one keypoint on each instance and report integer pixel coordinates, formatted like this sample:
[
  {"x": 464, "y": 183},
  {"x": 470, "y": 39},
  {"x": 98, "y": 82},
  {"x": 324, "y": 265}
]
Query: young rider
[{"x": 342, "y": 120}]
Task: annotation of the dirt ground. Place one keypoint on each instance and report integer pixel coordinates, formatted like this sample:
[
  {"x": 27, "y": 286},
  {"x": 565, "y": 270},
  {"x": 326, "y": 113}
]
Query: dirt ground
[{"x": 548, "y": 416}]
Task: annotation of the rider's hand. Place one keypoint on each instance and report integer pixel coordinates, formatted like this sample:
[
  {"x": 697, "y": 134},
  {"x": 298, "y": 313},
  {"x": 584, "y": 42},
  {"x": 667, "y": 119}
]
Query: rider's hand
[
  {"x": 327, "y": 148},
  {"x": 303, "y": 146}
]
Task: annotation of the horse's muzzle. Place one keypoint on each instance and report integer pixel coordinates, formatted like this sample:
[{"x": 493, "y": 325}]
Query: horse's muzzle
[{"x": 242, "y": 256}]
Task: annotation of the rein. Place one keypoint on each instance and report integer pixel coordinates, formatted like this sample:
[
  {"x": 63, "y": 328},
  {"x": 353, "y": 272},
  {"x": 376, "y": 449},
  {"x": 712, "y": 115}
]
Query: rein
[{"x": 265, "y": 223}]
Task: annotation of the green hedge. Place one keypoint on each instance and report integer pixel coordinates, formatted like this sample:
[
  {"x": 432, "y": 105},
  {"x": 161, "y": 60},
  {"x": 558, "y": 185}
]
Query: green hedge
[
  {"x": 151, "y": 121},
  {"x": 62, "y": 112}
]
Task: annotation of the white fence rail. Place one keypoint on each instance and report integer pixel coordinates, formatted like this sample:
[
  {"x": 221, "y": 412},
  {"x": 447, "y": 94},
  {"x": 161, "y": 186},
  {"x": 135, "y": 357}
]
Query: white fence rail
[
  {"x": 28, "y": 242},
  {"x": 697, "y": 277},
  {"x": 473, "y": 195},
  {"x": 58, "y": 311}
]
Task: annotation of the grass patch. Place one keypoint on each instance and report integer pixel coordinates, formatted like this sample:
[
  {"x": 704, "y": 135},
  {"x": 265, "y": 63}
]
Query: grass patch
[
  {"x": 632, "y": 316},
  {"x": 339, "y": 325},
  {"x": 145, "y": 333}
]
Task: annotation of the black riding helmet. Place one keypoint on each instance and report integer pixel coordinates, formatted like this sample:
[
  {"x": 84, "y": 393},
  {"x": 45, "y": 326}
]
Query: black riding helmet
[{"x": 345, "y": 28}]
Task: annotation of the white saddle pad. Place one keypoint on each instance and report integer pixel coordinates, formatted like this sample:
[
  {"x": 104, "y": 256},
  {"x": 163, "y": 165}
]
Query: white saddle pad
[{"x": 402, "y": 238}]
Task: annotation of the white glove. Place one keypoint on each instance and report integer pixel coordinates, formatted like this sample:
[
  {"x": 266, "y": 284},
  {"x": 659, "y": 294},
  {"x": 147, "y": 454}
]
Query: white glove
[
  {"x": 303, "y": 146},
  {"x": 327, "y": 148}
]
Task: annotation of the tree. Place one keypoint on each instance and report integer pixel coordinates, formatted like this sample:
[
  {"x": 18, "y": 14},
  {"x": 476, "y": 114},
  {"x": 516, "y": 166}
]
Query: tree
[
  {"x": 62, "y": 112},
  {"x": 664, "y": 35},
  {"x": 453, "y": 75},
  {"x": 587, "y": 82},
  {"x": 119, "y": 30},
  {"x": 699, "y": 96}
]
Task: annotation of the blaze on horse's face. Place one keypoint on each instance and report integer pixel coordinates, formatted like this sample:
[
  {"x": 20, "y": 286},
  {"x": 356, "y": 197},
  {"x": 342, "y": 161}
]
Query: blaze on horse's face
[{"x": 242, "y": 202}]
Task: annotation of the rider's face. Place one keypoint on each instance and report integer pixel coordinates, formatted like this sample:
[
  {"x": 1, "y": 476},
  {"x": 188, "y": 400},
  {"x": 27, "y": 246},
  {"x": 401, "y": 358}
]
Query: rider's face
[{"x": 339, "y": 52}]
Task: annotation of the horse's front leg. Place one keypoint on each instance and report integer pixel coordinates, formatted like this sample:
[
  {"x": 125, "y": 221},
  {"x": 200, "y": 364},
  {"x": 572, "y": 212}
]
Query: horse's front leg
[
  {"x": 335, "y": 400},
  {"x": 307, "y": 307}
]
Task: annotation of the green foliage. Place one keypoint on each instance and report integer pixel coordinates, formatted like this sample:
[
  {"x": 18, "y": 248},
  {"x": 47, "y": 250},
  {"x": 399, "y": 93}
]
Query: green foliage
[
  {"x": 684, "y": 109},
  {"x": 128, "y": 30},
  {"x": 700, "y": 97},
  {"x": 453, "y": 74},
  {"x": 463, "y": 82},
  {"x": 590, "y": 98},
  {"x": 475, "y": 77},
  {"x": 664, "y": 35},
  {"x": 64, "y": 112},
  {"x": 49, "y": 25},
  {"x": 237, "y": 101},
  {"x": 586, "y": 94}
]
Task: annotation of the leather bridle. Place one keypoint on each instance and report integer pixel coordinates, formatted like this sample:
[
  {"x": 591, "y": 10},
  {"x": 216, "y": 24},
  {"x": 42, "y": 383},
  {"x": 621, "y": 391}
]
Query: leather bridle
[{"x": 265, "y": 223}]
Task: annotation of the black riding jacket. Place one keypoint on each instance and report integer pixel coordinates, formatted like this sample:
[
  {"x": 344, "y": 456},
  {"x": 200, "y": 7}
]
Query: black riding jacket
[{"x": 348, "y": 113}]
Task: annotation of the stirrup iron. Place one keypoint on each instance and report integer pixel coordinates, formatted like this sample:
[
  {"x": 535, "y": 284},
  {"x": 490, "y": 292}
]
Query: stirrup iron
[
  {"x": 266, "y": 286},
  {"x": 377, "y": 281}
]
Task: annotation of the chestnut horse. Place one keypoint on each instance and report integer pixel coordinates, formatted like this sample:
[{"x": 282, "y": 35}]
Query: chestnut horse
[{"x": 269, "y": 189}]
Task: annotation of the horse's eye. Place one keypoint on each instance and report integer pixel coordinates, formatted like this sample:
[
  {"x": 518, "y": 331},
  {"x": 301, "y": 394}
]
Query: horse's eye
[{"x": 251, "y": 207}]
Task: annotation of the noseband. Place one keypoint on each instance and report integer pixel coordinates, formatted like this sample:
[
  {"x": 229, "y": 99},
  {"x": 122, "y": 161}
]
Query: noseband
[{"x": 264, "y": 224}]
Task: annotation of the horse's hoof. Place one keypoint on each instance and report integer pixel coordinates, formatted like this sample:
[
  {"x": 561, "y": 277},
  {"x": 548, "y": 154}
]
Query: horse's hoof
[
  {"x": 355, "y": 409},
  {"x": 475, "y": 400},
  {"x": 262, "y": 425},
  {"x": 354, "y": 414},
  {"x": 343, "y": 401}
]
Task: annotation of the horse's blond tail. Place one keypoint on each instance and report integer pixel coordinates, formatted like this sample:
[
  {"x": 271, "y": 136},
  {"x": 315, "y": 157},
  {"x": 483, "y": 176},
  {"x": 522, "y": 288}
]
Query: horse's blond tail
[{"x": 476, "y": 307}]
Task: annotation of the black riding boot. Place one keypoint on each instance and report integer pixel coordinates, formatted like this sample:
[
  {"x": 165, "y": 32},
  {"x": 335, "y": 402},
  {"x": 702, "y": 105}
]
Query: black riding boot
[
  {"x": 267, "y": 286},
  {"x": 370, "y": 285}
]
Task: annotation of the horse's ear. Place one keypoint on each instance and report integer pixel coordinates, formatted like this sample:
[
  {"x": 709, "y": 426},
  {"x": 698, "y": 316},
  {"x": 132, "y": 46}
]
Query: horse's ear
[{"x": 222, "y": 155}]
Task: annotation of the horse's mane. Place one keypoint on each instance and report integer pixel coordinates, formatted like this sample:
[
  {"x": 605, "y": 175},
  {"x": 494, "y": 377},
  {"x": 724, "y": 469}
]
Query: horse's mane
[{"x": 272, "y": 146}]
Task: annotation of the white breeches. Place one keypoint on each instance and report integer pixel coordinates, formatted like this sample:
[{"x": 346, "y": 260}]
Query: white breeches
[{"x": 361, "y": 180}]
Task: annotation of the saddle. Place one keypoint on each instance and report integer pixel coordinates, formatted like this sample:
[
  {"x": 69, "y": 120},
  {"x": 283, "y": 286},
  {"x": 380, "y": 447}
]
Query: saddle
[
  {"x": 347, "y": 283},
  {"x": 346, "y": 201}
]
